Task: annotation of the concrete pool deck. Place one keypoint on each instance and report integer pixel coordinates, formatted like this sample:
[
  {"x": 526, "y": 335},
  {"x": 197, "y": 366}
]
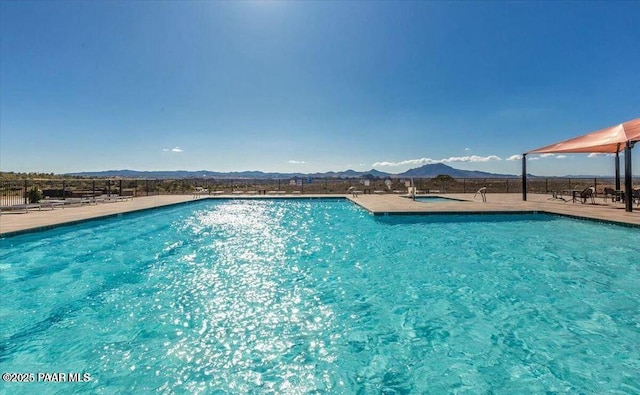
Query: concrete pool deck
[
  {"x": 13, "y": 223},
  {"x": 501, "y": 203}
]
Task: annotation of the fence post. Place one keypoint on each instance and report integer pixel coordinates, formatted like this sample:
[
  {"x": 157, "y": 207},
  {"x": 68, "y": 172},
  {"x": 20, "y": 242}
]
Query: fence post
[
  {"x": 26, "y": 191},
  {"x": 507, "y": 185},
  {"x": 546, "y": 185},
  {"x": 464, "y": 185},
  {"x": 109, "y": 188},
  {"x": 64, "y": 189},
  {"x": 93, "y": 188},
  {"x": 147, "y": 186},
  {"x": 524, "y": 177},
  {"x": 120, "y": 188}
]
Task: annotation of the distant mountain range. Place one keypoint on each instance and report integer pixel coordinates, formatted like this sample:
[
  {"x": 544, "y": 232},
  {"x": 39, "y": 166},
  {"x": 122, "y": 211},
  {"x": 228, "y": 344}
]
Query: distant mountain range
[{"x": 426, "y": 171}]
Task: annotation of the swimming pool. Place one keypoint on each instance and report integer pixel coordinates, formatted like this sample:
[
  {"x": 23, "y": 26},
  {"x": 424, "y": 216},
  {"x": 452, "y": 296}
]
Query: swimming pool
[{"x": 301, "y": 296}]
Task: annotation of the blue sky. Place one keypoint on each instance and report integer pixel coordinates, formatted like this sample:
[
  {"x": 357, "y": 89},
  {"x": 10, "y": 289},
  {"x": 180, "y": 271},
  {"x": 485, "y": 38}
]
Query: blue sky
[{"x": 312, "y": 86}]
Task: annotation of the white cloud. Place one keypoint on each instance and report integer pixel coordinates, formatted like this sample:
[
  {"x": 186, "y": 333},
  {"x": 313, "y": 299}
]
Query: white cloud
[
  {"x": 597, "y": 155},
  {"x": 427, "y": 161},
  {"x": 176, "y": 149},
  {"x": 467, "y": 149},
  {"x": 514, "y": 157},
  {"x": 535, "y": 158},
  {"x": 296, "y": 162},
  {"x": 472, "y": 158},
  {"x": 419, "y": 162},
  {"x": 555, "y": 156}
]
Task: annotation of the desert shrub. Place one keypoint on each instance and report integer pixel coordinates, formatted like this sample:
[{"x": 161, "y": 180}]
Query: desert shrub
[{"x": 34, "y": 195}]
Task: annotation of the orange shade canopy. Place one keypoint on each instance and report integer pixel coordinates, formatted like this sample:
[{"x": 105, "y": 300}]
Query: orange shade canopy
[{"x": 608, "y": 140}]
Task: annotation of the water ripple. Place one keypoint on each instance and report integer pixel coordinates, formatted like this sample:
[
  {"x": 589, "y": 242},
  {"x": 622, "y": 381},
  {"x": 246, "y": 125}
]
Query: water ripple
[{"x": 305, "y": 296}]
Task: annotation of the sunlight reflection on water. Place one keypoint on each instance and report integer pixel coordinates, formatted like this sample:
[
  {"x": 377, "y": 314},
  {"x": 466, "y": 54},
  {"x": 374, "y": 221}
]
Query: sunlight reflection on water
[{"x": 238, "y": 296}]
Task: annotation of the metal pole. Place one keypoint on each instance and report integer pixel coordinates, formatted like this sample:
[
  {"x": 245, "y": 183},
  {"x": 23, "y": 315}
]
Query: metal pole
[
  {"x": 26, "y": 191},
  {"x": 120, "y": 192},
  {"x": 628, "y": 185},
  {"x": 524, "y": 177},
  {"x": 618, "y": 168}
]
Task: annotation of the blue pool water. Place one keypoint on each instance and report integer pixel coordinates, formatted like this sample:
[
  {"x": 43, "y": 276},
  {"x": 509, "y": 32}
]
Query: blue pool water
[{"x": 237, "y": 296}]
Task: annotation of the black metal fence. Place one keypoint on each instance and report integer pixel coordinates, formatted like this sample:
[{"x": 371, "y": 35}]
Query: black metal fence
[{"x": 17, "y": 191}]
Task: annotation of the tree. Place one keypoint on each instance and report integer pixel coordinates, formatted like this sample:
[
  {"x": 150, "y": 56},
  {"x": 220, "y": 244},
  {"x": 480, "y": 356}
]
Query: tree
[
  {"x": 34, "y": 195},
  {"x": 443, "y": 178}
]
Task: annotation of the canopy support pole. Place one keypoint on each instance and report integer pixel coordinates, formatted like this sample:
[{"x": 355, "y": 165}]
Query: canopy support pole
[
  {"x": 618, "y": 168},
  {"x": 628, "y": 185},
  {"x": 524, "y": 177}
]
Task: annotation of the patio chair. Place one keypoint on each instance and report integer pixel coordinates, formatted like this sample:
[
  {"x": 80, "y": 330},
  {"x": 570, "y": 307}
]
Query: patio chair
[
  {"x": 199, "y": 191},
  {"x": 354, "y": 192},
  {"x": 636, "y": 196},
  {"x": 52, "y": 203},
  {"x": 557, "y": 195},
  {"x": 483, "y": 194},
  {"x": 20, "y": 207},
  {"x": 609, "y": 193},
  {"x": 587, "y": 194}
]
